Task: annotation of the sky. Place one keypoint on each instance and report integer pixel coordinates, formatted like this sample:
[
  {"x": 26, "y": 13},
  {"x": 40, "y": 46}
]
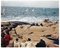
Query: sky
[{"x": 46, "y": 4}]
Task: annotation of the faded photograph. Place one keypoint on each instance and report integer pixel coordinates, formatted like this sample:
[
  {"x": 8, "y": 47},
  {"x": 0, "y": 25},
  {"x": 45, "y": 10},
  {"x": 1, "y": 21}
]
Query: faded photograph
[{"x": 29, "y": 24}]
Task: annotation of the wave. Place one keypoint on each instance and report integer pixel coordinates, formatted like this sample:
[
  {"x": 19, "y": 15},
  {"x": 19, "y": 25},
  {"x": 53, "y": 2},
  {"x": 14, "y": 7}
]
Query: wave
[{"x": 29, "y": 18}]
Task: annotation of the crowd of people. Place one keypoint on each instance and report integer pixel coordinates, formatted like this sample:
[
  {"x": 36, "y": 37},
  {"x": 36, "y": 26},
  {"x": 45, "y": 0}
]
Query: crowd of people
[
  {"x": 24, "y": 43},
  {"x": 7, "y": 40}
]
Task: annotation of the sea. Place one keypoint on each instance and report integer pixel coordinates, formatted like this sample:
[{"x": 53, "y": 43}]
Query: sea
[{"x": 29, "y": 14}]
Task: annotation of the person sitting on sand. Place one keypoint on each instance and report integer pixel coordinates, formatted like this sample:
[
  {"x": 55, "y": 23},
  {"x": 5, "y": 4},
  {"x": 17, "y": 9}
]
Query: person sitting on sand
[
  {"x": 16, "y": 43},
  {"x": 36, "y": 24},
  {"x": 41, "y": 24},
  {"x": 11, "y": 43},
  {"x": 23, "y": 44},
  {"x": 7, "y": 38},
  {"x": 29, "y": 43}
]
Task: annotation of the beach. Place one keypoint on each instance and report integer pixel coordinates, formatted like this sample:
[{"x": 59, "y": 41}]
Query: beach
[
  {"x": 46, "y": 30},
  {"x": 30, "y": 24}
]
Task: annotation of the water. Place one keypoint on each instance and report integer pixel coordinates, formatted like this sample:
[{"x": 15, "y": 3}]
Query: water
[{"x": 29, "y": 14}]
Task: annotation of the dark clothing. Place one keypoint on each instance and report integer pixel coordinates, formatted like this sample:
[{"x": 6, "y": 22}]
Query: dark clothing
[
  {"x": 7, "y": 37},
  {"x": 3, "y": 42},
  {"x": 41, "y": 44},
  {"x": 2, "y": 35}
]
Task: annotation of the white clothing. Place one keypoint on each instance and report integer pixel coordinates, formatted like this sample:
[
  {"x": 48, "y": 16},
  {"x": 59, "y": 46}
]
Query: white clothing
[
  {"x": 23, "y": 44},
  {"x": 29, "y": 44},
  {"x": 16, "y": 44}
]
